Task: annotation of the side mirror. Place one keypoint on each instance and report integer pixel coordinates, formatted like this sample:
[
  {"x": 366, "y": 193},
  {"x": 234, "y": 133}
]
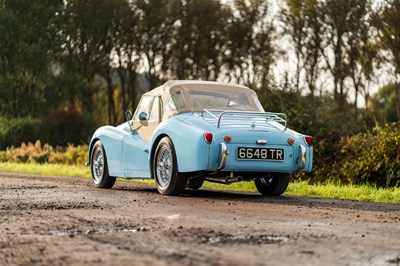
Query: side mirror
[
  {"x": 128, "y": 117},
  {"x": 143, "y": 116}
]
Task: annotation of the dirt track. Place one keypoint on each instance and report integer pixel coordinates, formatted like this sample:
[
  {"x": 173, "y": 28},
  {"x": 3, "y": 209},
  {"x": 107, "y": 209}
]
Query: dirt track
[{"x": 65, "y": 221}]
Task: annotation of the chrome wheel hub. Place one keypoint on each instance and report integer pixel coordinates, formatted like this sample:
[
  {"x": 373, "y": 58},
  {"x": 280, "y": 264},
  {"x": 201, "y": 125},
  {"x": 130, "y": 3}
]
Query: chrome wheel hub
[
  {"x": 164, "y": 167},
  {"x": 98, "y": 165}
]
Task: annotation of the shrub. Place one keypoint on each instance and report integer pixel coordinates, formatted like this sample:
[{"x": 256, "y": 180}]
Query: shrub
[
  {"x": 12, "y": 131},
  {"x": 57, "y": 128},
  {"x": 372, "y": 157},
  {"x": 36, "y": 153},
  {"x": 62, "y": 127}
]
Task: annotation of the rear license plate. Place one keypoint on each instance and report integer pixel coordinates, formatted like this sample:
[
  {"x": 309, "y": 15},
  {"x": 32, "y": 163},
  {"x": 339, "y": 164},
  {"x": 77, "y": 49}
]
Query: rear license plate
[{"x": 266, "y": 154}]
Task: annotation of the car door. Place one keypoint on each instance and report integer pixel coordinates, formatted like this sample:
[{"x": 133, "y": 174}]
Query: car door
[{"x": 136, "y": 145}]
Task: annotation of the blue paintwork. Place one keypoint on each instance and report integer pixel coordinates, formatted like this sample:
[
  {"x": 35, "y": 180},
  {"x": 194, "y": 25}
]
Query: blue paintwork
[{"x": 129, "y": 155}]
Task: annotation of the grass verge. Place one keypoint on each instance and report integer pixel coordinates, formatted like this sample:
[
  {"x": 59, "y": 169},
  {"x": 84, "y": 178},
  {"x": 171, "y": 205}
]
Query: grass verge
[
  {"x": 46, "y": 169},
  {"x": 296, "y": 188}
]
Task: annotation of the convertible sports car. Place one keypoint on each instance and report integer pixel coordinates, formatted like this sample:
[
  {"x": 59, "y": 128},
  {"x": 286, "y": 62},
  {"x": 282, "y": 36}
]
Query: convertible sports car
[{"x": 186, "y": 132}]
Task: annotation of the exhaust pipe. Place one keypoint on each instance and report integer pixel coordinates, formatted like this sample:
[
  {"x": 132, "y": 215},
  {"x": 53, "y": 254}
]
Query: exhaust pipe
[
  {"x": 227, "y": 181},
  {"x": 231, "y": 180}
]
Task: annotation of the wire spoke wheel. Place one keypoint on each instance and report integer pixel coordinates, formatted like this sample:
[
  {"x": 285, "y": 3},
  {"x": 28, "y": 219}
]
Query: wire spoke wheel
[
  {"x": 99, "y": 168},
  {"x": 165, "y": 169},
  {"x": 98, "y": 164}
]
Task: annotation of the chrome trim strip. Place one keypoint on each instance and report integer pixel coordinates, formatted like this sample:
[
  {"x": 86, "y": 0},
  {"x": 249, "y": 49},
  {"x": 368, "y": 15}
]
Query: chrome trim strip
[
  {"x": 223, "y": 156},
  {"x": 211, "y": 114},
  {"x": 261, "y": 142},
  {"x": 303, "y": 157},
  {"x": 87, "y": 163},
  {"x": 208, "y": 157}
]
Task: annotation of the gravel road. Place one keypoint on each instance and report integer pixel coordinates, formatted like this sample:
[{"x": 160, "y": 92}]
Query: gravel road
[{"x": 66, "y": 221}]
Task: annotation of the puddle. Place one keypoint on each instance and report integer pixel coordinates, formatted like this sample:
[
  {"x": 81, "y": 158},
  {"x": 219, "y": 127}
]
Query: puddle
[
  {"x": 50, "y": 206},
  {"x": 221, "y": 238},
  {"x": 386, "y": 260},
  {"x": 215, "y": 238},
  {"x": 96, "y": 230},
  {"x": 24, "y": 187},
  {"x": 173, "y": 216}
]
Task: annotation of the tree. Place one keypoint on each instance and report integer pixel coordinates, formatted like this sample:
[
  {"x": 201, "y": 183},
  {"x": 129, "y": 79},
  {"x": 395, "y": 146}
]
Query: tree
[
  {"x": 304, "y": 26},
  {"x": 156, "y": 26},
  {"x": 363, "y": 52},
  {"x": 383, "y": 104},
  {"x": 387, "y": 22},
  {"x": 250, "y": 52},
  {"x": 199, "y": 37},
  {"x": 94, "y": 31},
  {"x": 339, "y": 25},
  {"x": 126, "y": 44},
  {"x": 28, "y": 41}
]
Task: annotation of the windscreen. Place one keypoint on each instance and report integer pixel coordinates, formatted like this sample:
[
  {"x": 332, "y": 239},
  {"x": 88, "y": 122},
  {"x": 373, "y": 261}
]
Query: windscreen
[{"x": 220, "y": 100}]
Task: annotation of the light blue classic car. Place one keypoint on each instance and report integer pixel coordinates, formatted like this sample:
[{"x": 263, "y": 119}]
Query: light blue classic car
[{"x": 186, "y": 132}]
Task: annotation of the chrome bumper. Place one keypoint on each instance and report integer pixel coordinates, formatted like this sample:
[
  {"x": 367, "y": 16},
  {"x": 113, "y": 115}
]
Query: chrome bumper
[
  {"x": 302, "y": 157},
  {"x": 223, "y": 156}
]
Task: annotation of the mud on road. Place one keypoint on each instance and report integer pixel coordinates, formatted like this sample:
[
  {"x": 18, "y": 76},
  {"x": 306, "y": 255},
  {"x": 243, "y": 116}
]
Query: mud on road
[{"x": 66, "y": 221}]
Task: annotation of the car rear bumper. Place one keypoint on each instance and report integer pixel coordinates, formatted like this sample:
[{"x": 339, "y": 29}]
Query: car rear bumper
[{"x": 296, "y": 159}]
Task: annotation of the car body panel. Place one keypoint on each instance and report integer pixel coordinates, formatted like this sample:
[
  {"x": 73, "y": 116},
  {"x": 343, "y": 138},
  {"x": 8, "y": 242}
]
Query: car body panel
[
  {"x": 188, "y": 140},
  {"x": 135, "y": 156},
  {"x": 130, "y": 149}
]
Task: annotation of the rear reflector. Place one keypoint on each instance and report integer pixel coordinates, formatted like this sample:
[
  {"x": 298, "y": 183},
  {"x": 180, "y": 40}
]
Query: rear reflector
[
  {"x": 208, "y": 136},
  {"x": 291, "y": 141},
  {"x": 228, "y": 138},
  {"x": 308, "y": 140}
]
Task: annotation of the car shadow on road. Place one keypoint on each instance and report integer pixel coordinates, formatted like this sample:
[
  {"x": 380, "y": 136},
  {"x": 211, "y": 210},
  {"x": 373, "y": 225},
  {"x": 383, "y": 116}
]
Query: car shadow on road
[
  {"x": 292, "y": 200},
  {"x": 254, "y": 197}
]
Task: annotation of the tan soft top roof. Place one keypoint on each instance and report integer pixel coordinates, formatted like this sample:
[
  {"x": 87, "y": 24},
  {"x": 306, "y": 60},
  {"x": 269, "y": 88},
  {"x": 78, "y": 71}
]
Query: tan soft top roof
[
  {"x": 198, "y": 83},
  {"x": 171, "y": 86}
]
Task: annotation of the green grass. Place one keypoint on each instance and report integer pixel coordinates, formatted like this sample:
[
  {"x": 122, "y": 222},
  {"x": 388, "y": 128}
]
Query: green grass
[
  {"x": 296, "y": 188},
  {"x": 46, "y": 169},
  {"x": 332, "y": 190}
]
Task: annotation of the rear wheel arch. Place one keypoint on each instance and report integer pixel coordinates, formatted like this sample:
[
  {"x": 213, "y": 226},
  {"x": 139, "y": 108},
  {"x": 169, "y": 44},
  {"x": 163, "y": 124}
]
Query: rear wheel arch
[
  {"x": 91, "y": 148},
  {"x": 153, "y": 151},
  {"x": 165, "y": 168}
]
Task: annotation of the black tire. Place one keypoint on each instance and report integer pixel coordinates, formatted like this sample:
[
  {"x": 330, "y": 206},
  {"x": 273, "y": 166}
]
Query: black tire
[
  {"x": 195, "y": 184},
  {"x": 165, "y": 169},
  {"x": 273, "y": 184},
  {"x": 99, "y": 167}
]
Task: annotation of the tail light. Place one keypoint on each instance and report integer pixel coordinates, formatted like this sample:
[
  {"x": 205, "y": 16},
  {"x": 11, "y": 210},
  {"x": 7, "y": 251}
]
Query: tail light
[
  {"x": 208, "y": 136},
  {"x": 291, "y": 141},
  {"x": 308, "y": 140}
]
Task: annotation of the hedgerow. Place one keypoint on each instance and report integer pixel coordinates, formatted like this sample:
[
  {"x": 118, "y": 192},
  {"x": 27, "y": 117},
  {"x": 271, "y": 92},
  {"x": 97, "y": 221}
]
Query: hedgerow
[
  {"x": 38, "y": 153},
  {"x": 57, "y": 128},
  {"x": 372, "y": 157}
]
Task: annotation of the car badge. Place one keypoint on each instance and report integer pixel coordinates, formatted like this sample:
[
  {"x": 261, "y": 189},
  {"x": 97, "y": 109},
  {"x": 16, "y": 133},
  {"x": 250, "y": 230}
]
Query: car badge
[{"x": 261, "y": 141}]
